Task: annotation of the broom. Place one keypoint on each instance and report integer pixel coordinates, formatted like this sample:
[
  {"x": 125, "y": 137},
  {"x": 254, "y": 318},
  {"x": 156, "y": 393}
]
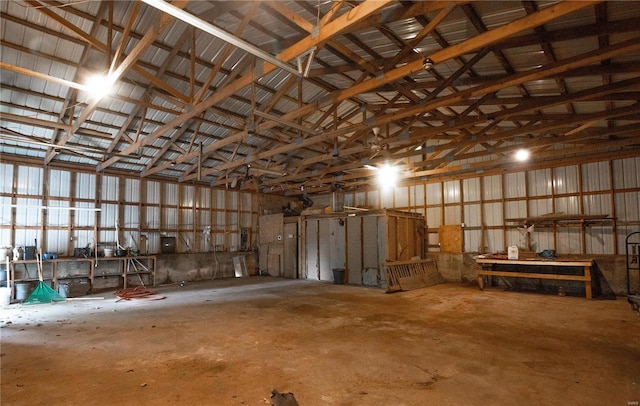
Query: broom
[{"x": 42, "y": 293}]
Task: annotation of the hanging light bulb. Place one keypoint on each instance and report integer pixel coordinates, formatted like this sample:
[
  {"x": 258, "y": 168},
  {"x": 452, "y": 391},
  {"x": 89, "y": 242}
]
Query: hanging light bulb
[
  {"x": 522, "y": 155},
  {"x": 99, "y": 86},
  {"x": 387, "y": 176}
]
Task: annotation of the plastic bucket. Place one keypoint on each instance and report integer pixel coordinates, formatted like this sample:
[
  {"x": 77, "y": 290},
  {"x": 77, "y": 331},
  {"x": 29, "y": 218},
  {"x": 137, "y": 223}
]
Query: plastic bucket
[
  {"x": 108, "y": 252},
  {"x": 23, "y": 289},
  {"x": 63, "y": 290},
  {"x": 5, "y": 296},
  {"x": 338, "y": 276}
]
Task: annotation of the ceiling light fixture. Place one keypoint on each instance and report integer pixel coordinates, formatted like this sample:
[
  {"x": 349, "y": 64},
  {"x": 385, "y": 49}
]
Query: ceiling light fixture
[
  {"x": 522, "y": 155},
  {"x": 387, "y": 176},
  {"x": 427, "y": 64},
  {"x": 99, "y": 86}
]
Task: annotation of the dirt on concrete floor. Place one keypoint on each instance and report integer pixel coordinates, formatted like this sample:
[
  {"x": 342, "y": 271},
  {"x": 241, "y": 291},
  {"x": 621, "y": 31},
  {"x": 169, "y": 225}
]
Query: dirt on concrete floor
[{"x": 231, "y": 341}]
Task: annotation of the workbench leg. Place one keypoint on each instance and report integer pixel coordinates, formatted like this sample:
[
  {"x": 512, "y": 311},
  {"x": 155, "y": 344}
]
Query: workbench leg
[{"x": 587, "y": 282}]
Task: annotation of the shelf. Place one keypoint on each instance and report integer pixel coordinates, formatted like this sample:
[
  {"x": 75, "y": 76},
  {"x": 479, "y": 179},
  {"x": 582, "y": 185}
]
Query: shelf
[
  {"x": 126, "y": 267},
  {"x": 562, "y": 219}
]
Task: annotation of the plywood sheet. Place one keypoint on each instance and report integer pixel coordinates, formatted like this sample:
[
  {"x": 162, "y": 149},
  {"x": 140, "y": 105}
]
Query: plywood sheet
[
  {"x": 273, "y": 264},
  {"x": 450, "y": 237}
]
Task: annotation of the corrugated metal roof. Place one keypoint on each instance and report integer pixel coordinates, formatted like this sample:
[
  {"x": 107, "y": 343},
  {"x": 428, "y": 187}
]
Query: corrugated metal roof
[{"x": 40, "y": 52}]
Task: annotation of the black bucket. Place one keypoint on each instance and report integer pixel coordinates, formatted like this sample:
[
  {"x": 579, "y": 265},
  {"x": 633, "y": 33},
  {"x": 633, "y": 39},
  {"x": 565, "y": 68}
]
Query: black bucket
[{"x": 338, "y": 276}]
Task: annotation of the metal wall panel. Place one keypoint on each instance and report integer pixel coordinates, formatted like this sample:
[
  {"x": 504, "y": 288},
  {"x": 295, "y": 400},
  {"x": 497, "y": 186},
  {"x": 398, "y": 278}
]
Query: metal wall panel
[
  {"x": 472, "y": 215},
  {"x": 131, "y": 216},
  {"x": 57, "y": 217},
  {"x": 626, "y": 173},
  {"x": 204, "y": 218},
  {"x": 417, "y": 195},
  {"x": 434, "y": 217},
  {"x": 84, "y": 238},
  {"x": 540, "y": 207},
  {"x": 5, "y": 220},
  {"x": 132, "y": 190},
  {"x": 568, "y": 240},
  {"x": 595, "y": 176},
  {"x": 542, "y": 239},
  {"x": 105, "y": 236},
  {"x": 386, "y": 199},
  {"x": 472, "y": 240},
  {"x": 360, "y": 199},
  {"x": 471, "y": 190},
  {"x": 434, "y": 193},
  {"x": 152, "y": 216},
  {"x": 85, "y": 186},
  {"x": 494, "y": 241},
  {"x": 56, "y": 241},
  {"x": 186, "y": 218},
  {"x": 598, "y": 240},
  {"x": 401, "y": 198},
  {"x": 29, "y": 180},
  {"x": 492, "y": 187},
  {"x": 354, "y": 250},
  {"x": 373, "y": 199},
  {"x": 84, "y": 218},
  {"x": 6, "y": 174},
  {"x": 539, "y": 182},
  {"x": 370, "y": 241},
  {"x": 627, "y": 207},
  {"x": 108, "y": 215},
  {"x": 567, "y": 205},
  {"x": 204, "y": 199},
  {"x": 153, "y": 193},
  {"x": 452, "y": 192},
  {"x": 110, "y": 187},
  {"x": 452, "y": 215},
  {"x": 311, "y": 254},
  {"x": 565, "y": 180},
  {"x": 597, "y": 204},
  {"x": 187, "y": 195},
  {"x": 169, "y": 218},
  {"x": 231, "y": 202},
  {"x": 515, "y": 209},
  {"x": 493, "y": 214},
  {"x": 218, "y": 199},
  {"x": 26, "y": 214},
  {"x": 59, "y": 183},
  {"x": 515, "y": 185},
  {"x": 325, "y": 247},
  {"x": 170, "y": 194}
]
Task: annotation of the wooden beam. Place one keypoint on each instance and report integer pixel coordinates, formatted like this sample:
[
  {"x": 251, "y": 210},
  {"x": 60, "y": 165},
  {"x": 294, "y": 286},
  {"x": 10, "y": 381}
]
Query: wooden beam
[{"x": 342, "y": 23}]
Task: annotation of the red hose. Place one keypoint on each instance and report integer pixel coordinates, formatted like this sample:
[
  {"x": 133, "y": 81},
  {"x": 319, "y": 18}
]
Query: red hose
[{"x": 139, "y": 292}]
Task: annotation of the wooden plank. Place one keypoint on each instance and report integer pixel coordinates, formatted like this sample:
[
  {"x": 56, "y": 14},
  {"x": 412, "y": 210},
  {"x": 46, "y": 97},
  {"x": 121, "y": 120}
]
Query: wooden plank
[
  {"x": 533, "y": 262},
  {"x": 450, "y": 238},
  {"x": 515, "y": 274},
  {"x": 273, "y": 264},
  {"x": 408, "y": 275}
]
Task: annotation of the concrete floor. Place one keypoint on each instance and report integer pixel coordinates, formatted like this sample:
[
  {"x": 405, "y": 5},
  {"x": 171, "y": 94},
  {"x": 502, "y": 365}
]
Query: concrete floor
[{"x": 229, "y": 342}]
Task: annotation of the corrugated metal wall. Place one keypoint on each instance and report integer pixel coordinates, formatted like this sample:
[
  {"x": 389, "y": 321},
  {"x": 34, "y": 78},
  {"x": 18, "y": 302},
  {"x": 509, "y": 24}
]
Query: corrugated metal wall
[
  {"x": 123, "y": 211},
  {"x": 484, "y": 204}
]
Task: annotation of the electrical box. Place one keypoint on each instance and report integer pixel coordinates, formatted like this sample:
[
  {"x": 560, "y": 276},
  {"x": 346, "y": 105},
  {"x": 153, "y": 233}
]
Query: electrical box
[{"x": 168, "y": 245}]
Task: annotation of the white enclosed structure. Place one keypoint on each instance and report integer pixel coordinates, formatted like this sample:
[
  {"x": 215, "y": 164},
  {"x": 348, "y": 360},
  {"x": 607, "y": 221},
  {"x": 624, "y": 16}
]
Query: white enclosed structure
[{"x": 359, "y": 243}]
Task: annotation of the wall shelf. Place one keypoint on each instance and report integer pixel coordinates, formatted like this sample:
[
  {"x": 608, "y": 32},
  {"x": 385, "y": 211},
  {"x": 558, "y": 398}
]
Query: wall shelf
[
  {"x": 127, "y": 267},
  {"x": 562, "y": 220}
]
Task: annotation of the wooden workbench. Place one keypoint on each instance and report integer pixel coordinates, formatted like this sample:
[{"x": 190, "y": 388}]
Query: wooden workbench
[{"x": 517, "y": 269}]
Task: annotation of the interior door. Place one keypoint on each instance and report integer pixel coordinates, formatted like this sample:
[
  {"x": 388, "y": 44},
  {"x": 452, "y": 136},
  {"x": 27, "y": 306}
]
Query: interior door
[{"x": 291, "y": 250}]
